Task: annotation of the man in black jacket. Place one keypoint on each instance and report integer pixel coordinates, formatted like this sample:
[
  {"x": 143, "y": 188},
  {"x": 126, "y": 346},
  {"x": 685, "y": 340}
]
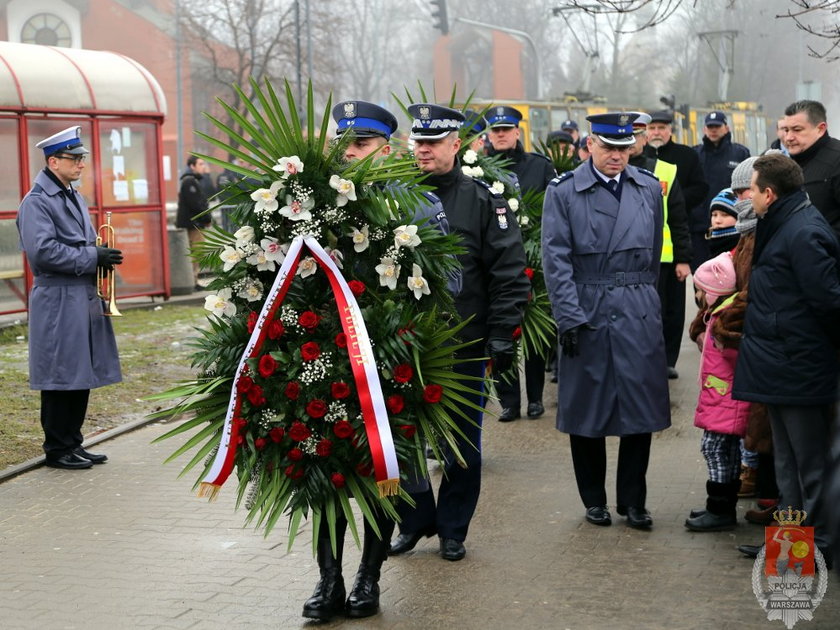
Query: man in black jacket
[
  {"x": 788, "y": 354},
  {"x": 534, "y": 172},
  {"x": 807, "y": 140},
  {"x": 495, "y": 290},
  {"x": 676, "y": 242},
  {"x": 192, "y": 202},
  {"x": 718, "y": 157}
]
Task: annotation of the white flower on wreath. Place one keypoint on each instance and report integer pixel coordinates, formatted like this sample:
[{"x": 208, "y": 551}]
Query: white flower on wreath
[
  {"x": 252, "y": 291},
  {"x": 259, "y": 260},
  {"x": 266, "y": 198},
  {"x": 406, "y": 236},
  {"x": 513, "y": 204},
  {"x": 524, "y": 221},
  {"x": 307, "y": 267},
  {"x": 297, "y": 210},
  {"x": 345, "y": 188},
  {"x": 361, "y": 238},
  {"x": 231, "y": 256},
  {"x": 288, "y": 166},
  {"x": 388, "y": 272},
  {"x": 273, "y": 250},
  {"x": 219, "y": 304},
  {"x": 244, "y": 235},
  {"x": 470, "y": 156},
  {"x": 472, "y": 171},
  {"x": 498, "y": 187},
  {"x": 467, "y": 170},
  {"x": 417, "y": 283},
  {"x": 336, "y": 256}
]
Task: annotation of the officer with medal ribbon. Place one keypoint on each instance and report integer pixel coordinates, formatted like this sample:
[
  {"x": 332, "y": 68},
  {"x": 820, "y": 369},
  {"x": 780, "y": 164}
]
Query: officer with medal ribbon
[
  {"x": 602, "y": 238},
  {"x": 534, "y": 172},
  {"x": 495, "y": 290},
  {"x": 72, "y": 348}
]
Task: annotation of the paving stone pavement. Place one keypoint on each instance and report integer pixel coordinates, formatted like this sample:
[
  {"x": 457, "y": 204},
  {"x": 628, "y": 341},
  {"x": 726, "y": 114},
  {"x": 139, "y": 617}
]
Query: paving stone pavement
[{"x": 127, "y": 545}]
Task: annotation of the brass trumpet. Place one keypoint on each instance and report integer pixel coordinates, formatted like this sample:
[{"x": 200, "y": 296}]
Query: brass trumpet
[{"x": 106, "y": 279}]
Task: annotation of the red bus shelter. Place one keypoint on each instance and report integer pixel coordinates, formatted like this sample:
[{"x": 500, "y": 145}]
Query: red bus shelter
[{"x": 120, "y": 108}]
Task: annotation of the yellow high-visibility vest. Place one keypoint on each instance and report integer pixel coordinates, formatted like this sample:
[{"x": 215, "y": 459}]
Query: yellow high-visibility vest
[{"x": 667, "y": 173}]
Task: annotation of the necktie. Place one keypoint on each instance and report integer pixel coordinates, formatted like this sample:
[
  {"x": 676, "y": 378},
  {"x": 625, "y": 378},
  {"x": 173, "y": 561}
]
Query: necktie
[{"x": 612, "y": 185}]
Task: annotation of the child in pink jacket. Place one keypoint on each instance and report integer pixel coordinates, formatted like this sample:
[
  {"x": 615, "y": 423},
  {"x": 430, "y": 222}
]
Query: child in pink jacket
[{"x": 723, "y": 420}]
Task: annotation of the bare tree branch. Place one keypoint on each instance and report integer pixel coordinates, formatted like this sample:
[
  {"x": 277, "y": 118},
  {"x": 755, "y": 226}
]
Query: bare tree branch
[{"x": 807, "y": 14}]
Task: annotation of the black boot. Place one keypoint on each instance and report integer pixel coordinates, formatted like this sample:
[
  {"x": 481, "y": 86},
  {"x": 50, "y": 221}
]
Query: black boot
[
  {"x": 364, "y": 597},
  {"x": 720, "y": 509},
  {"x": 328, "y": 598}
]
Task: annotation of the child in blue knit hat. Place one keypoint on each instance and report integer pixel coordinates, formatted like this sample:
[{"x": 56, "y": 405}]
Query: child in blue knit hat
[{"x": 722, "y": 235}]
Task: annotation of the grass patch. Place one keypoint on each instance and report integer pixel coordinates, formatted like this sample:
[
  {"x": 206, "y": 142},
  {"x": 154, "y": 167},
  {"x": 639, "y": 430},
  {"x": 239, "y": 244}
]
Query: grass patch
[{"x": 154, "y": 354}]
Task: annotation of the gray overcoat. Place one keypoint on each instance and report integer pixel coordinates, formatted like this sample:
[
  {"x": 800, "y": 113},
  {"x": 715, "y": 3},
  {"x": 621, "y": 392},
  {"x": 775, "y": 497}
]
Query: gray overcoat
[
  {"x": 71, "y": 343},
  {"x": 601, "y": 262}
]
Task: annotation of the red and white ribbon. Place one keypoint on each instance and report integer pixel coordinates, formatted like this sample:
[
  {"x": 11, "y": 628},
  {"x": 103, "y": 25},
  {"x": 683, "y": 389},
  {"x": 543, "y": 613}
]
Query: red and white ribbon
[{"x": 362, "y": 361}]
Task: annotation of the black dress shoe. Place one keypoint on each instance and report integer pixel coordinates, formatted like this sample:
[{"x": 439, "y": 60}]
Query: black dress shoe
[
  {"x": 535, "y": 410},
  {"x": 696, "y": 513},
  {"x": 96, "y": 459},
  {"x": 637, "y": 518},
  {"x": 598, "y": 515},
  {"x": 451, "y": 549},
  {"x": 672, "y": 373},
  {"x": 508, "y": 414},
  {"x": 708, "y": 522},
  {"x": 751, "y": 551},
  {"x": 407, "y": 542},
  {"x": 69, "y": 461}
]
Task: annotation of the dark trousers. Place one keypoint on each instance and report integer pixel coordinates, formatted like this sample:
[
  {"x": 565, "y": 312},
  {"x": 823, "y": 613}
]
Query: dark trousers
[
  {"x": 589, "y": 456},
  {"x": 509, "y": 392},
  {"x": 459, "y": 488},
  {"x": 62, "y": 415},
  {"x": 672, "y": 296},
  {"x": 801, "y": 443}
]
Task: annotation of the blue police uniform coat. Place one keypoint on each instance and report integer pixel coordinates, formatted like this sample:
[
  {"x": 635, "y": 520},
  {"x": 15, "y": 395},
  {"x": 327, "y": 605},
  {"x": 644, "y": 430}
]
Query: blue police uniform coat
[
  {"x": 71, "y": 343},
  {"x": 601, "y": 261}
]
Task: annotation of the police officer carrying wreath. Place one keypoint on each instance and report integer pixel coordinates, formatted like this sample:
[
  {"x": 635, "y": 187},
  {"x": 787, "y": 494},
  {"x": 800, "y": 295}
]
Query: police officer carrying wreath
[
  {"x": 534, "y": 172},
  {"x": 602, "y": 237},
  {"x": 71, "y": 343},
  {"x": 495, "y": 290}
]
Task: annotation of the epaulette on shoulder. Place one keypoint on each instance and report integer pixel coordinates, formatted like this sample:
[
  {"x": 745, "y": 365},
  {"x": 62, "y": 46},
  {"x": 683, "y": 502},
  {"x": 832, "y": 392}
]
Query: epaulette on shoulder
[
  {"x": 647, "y": 172},
  {"x": 542, "y": 155},
  {"x": 430, "y": 196},
  {"x": 489, "y": 188},
  {"x": 561, "y": 178}
]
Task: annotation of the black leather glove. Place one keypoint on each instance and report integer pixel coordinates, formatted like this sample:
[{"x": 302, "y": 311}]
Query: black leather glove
[
  {"x": 570, "y": 340},
  {"x": 108, "y": 257},
  {"x": 501, "y": 351}
]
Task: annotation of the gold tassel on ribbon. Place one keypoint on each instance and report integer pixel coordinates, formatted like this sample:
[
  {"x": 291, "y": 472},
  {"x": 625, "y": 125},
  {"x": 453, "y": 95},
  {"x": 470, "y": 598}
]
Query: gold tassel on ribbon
[
  {"x": 388, "y": 488},
  {"x": 209, "y": 491}
]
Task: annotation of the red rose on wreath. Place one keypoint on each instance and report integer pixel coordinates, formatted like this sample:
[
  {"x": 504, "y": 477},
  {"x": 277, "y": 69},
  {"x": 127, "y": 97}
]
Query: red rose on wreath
[
  {"x": 338, "y": 480},
  {"x": 294, "y": 472},
  {"x": 432, "y": 393},
  {"x": 299, "y": 431},
  {"x": 408, "y": 430},
  {"x": 529, "y": 272},
  {"x": 309, "y": 320},
  {"x": 310, "y": 351},
  {"x": 267, "y": 365},
  {"x": 260, "y": 443},
  {"x": 407, "y": 335},
  {"x": 357, "y": 287},
  {"x": 240, "y": 423},
  {"x": 343, "y": 429},
  {"x": 364, "y": 469},
  {"x": 245, "y": 383},
  {"x": 252, "y": 321},
  {"x": 276, "y": 329},
  {"x": 316, "y": 408},
  {"x": 295, "y": 455},
  {"x": 324, "y": 447},
  {"x": 517, "y": 332},
  {"x": 292, "y": 390},
  {"x": 341, "y": 340},
  {"x": 255, "y": 396},
  {"x": 276, "y": 434},
  {"x": 395, "y": 403},
  {"x": 340, "y": 390},
  {"x": 403, "y": 373}
]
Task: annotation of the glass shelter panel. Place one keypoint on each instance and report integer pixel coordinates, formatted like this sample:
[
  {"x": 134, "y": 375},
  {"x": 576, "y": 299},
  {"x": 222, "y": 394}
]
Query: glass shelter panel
[
  {"x": 129, "y": 163},
  {"x": 41, "y": 128},
  {"x": 10, "y": 182}
]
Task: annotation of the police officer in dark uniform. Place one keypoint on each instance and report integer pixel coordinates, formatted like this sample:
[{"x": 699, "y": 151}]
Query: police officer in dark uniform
[
  {"x": 534, "y": 171},
  {"x": 602, "y": 236},
  {"x": 495, "y": 290}
]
